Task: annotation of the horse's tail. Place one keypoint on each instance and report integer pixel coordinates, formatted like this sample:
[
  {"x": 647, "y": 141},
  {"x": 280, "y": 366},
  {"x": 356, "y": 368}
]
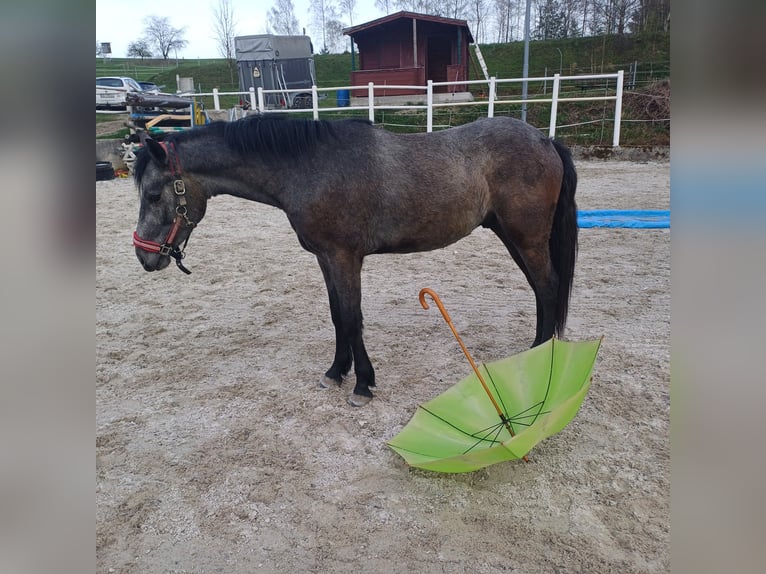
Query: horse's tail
[{"x": 563, "y": 241}]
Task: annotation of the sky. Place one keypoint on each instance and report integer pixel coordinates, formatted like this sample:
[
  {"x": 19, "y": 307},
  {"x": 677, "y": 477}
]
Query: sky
[{"x": 121, "y": 22}]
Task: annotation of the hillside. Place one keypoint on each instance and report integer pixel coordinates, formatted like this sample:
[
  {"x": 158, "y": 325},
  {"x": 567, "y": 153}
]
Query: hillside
[{"x": 645, "y": 60}]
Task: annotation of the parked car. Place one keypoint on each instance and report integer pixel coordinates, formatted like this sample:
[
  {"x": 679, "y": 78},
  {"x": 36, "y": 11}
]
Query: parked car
[
  {"x": 111, "y": 90},
  {"x": 150, "y": 87}
]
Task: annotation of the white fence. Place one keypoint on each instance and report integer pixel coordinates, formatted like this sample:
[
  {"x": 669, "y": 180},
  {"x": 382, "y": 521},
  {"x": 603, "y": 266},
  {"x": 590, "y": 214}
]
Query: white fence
[{"x": 257, "y": 99}]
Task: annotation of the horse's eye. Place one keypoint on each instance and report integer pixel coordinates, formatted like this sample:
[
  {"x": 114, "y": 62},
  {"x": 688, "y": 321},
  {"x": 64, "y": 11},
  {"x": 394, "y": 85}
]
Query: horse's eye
[{"x": 152, "y": 197}]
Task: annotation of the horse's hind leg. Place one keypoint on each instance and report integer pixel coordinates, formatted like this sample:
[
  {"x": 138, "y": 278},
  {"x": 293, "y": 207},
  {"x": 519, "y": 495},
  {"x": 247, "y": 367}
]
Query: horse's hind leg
[
  {"x": 531, "y": 253},
  {"x": 342, "y": 275}
]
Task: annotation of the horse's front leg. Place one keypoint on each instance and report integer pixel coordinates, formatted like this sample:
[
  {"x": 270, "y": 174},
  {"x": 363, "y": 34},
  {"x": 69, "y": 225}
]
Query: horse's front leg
[
  {"x": 343, "y": 357},
  {"x": 342, "y": 275}
]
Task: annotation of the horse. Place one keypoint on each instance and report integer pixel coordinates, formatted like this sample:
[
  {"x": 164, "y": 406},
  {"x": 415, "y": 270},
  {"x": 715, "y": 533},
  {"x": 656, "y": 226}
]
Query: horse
[{"x": 352, "y": 189}]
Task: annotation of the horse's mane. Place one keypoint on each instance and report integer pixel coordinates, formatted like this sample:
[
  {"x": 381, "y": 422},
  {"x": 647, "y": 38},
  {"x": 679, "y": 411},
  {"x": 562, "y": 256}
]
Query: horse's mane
[
  {"x": 278, "y": 136},
  {"x": 271, "y": 136}
]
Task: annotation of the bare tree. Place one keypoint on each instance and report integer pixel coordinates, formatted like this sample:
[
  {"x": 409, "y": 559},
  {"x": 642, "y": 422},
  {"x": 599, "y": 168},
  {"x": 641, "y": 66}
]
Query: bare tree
[
  {"x": 571, "y": 10},
  {"x": 224, "y": 27},
  {"x": 348, "y": 7},
  {"x": 159, "y": 32},
  {"x": 503, "y": 19},
  {"x": 139, "y": 49},
  {"x": 456, "y": 9},
  {"x": 384, "y": 5},
  {"x": 322, "y": 13},
  {"x": 611, "y": 16},
  {"x": 336, "y": 42},
  {"x": 650, "y": 16},
  {"x": 282, "y": 18},
  {"x": 431, "y": 7},
  {"x": 477, "y": 15}
]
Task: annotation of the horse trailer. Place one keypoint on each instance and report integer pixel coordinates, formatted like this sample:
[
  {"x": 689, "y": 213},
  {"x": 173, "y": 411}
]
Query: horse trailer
[{"x": 281, "y": 63}]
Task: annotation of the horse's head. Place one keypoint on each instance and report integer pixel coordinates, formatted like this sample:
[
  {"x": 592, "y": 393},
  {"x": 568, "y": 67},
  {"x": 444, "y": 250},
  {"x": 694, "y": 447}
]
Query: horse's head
[{"x": 171, "y": 205}]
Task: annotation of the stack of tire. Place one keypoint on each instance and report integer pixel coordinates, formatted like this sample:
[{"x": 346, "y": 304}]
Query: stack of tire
[{"x": 104, "y": 170}]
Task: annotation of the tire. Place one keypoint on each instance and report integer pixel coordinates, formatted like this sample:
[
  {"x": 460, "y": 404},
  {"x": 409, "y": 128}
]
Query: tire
[
  {"x": 302, "y": 102},
  {"x": 104, "y": 170}
]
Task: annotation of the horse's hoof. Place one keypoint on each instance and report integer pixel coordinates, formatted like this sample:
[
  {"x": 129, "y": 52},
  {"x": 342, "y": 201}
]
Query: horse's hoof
[
  {"x": 358, "y": 400},
  {"x": 327, "y": 382}
]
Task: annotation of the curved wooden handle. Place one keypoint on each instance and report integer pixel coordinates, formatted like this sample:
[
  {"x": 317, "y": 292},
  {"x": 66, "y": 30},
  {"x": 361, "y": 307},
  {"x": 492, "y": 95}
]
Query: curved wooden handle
[{"x": 430, "y": 292}]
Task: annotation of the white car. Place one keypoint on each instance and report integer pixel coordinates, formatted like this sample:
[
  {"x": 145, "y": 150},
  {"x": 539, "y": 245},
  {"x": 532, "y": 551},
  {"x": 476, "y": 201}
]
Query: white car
[{"x": 111, "y": 91}]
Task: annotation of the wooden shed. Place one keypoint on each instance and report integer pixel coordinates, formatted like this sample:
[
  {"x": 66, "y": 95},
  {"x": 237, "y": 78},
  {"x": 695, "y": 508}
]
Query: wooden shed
[{"x": 409, "y": 49}]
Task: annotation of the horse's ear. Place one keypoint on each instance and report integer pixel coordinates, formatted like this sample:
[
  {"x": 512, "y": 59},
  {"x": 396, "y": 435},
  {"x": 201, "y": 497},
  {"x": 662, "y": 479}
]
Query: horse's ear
[{"x": 156, "y": 151}]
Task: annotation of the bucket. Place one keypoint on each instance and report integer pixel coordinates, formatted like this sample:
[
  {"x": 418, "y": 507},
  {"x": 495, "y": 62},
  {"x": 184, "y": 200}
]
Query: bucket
[{"x": 344, "y": 98}]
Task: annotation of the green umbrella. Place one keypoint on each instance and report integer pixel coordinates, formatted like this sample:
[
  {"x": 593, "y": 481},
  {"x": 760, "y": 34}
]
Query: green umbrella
[{"x": 500, "y": 411}]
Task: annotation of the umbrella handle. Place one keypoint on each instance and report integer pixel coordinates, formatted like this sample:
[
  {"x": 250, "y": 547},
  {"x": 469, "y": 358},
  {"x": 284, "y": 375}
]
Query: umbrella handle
[{"x": 430, "y": 292}]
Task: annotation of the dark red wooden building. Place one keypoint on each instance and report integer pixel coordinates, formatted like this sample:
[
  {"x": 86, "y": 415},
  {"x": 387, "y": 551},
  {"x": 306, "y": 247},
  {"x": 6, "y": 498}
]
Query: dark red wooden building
[{"x": 409, "y": 49}]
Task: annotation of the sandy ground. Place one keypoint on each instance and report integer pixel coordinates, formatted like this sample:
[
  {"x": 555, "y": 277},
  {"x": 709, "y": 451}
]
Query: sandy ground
[{"x": 216, "y": 451}]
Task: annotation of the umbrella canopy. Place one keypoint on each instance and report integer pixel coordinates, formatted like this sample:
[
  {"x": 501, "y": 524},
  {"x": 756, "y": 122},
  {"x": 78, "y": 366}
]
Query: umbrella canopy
[{"x": 539, "y": 391}]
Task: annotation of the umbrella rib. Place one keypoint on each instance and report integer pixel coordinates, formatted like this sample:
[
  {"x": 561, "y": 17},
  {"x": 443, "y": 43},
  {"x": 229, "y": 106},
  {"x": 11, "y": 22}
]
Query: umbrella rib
[
  {"x": 534, "y": 419},
  {"x": 497, "y": 392},
  {"x": 498, "y": 429},
  {"x": 520, "y": 415},
  {"x": 465, "y": 432},
  {"x": 523, "y": 415},
  {"x": 550, "y": 378}
]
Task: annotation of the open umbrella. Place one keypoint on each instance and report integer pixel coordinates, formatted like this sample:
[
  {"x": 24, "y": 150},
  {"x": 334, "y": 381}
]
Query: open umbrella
[{"x": 500, "y": 411}]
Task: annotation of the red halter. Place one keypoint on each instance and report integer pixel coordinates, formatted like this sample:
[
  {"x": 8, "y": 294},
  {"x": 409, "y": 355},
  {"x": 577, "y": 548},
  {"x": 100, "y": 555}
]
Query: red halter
[{"x": 181, "y": 220}]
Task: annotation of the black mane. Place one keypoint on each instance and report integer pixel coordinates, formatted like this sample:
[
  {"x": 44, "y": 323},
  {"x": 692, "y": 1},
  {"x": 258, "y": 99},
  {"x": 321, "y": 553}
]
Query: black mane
[
  {"x": 268, "y": 135},
  {"x": 276, "y": 135}
]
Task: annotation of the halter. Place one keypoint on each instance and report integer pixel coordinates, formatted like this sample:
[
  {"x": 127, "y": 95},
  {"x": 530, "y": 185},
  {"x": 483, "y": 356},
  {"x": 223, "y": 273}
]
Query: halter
[{"x": 181, "y": 220}]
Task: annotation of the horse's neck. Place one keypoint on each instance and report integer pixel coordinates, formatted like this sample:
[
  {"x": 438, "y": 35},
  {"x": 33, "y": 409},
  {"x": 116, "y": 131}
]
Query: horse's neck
[
  {"x": 229, "y": 174},
  {"x": 252, "y": 188}
]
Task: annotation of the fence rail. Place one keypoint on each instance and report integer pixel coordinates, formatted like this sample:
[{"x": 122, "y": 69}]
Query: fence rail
[{"x": 257, "y": 98}]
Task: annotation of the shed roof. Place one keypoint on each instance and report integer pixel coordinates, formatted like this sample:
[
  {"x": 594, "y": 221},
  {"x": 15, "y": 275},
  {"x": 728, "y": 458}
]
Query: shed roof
[{"x": 353, "y": 30}]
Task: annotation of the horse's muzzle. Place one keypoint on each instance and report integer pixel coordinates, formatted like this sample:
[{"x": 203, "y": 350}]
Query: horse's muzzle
[{"x": 152, "y": 261}]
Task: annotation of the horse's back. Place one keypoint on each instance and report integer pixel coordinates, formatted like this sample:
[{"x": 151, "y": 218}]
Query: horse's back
[{"x": 424, "y": 191}]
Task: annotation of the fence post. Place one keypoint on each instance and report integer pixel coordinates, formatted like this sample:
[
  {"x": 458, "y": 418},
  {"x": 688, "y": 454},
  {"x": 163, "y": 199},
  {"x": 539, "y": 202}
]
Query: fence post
[
  {"x": 618, "y": 109},
  {"x": 259, "y": 105},
  {"x": 371, "y": 101},
  {"x": 430, "y": 107},
  {"x": 554, "y": 105},
  {"x": 315, "y": 101},
  {"x": 216, "y": 101},
  {"x": 491, "y": 108}
]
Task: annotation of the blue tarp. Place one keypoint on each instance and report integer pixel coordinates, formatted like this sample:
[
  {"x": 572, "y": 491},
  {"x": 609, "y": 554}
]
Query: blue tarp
[{"x": 635, "y": 218}]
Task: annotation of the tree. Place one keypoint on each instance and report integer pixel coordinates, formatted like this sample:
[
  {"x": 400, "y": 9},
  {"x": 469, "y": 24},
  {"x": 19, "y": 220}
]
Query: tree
[
  {"x": 159, "y": 32},
  {"x": 478, "y": 15},
  {"x": 139, "y": 49},
  {"x": 430, "y": 7},
  {"x": 384, "y": 5},
  {"x": 348, "y": 7},
  {"x": 224, "y": 27},
  {"x": 650, "y": 16},
  {"x": 503, "y": 11},
  {"x": 611, "y": 16},
  {"x": 322, "y": 13},
  {"x": 571, "y": 10},
  {"x": 455, "y": 9},
  {"x": 336, "y": 41},
  {"x": 282, "y": 18}
]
